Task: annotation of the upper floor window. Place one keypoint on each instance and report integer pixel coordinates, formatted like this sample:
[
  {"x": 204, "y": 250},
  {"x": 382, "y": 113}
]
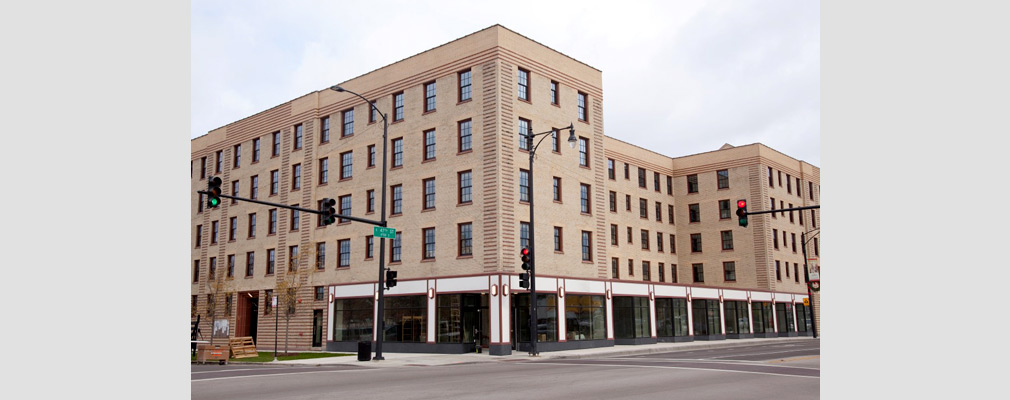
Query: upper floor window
[
  {"x": 524, "y": 185},
  {"x": 724, "y": 212},
  {"x": 324, "y": 170},
  {"x": 348, "y": 127},
  {"x": 643, "y": 208},
  {"x": 398, "y": 107},
  {"x": 587, "y": 246},
  {"x": 723, "y": 178},
  {"x": 696, "y": 243},
  {"x": 554, "y": 92},
  {"x": 465, "y": 187},
  {"x": 465, "y": 136},
  {"x": 524, "y": 84},
  {"x": 429, "y": 145},
  {"x": 669, "y": 185},
  {"x": 254, "y": 187},
  {"x": 727, "y": 240},
  {"x": 396, "y": 200},
  {"x": 429, "y": 96},
  {"x": 694, "y": 212},
  {"x": 429, "y": 243},
  {"x": 296, "y": 177},
  {"x": 217, "y": 165},
  {"x": 692, "y": 183},
  {"x": 465, "y": 238},
  {"x": 394, "y": 248},
  {"x": 655, "y": 181},
  {"x": 397, "y": 152},
  {"x": 524, "y": 235},
  {"x": 346, "y": 165},
  {"x": 525, "y": 128},
  {"x": 583, "y": 151},
  {"x": 464, "y": 86},
  {"x": 324, "y": 133},
  {"x": 237, "y": 156},
  {"x": 275, "y": 180},
  {"x": 203, "y": 168},
  {"x": 298, "y": 136},
  {"x": 557, "y": 189},
  {"x": 256, "y": 150},
  {"x": 584, "y": 194},
  {"x": 583, "y": 114},
  {"x": 641, "y": 177},
  {"x": 276, "y": 150},
  {"x": 373, "y": 112},
  {"x": 429, "y": 193},
  {"x": 610, "y": 168}
]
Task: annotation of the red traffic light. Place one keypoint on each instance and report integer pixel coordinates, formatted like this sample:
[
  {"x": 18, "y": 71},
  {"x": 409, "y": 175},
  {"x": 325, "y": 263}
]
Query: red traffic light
[
  {"x": 741, "y": 203},
  {"x": 525, "y": 251}
]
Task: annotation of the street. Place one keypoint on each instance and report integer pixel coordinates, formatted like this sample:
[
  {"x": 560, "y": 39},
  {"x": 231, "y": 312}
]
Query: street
[{"x": 761, "y": 371}]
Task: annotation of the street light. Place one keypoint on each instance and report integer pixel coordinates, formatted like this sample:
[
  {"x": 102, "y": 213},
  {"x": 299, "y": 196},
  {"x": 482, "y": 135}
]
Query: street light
[
  {"x": 382, "y": 219},
  {"x": 806, "y": 277},
  {"x": 572, "y": 140}
]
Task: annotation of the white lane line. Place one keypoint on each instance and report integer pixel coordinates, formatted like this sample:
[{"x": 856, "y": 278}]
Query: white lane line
[
  {"x": 689, "y": 368},
  {"x": 752, "y": 354},
  {"x": 243, "y": 369},
  {"x": 260, "y": 376},
  {"x": 740, "y": 362}
]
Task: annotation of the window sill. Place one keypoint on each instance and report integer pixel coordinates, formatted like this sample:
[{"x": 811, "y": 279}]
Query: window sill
[
  {"x": 558, "y": 202},
  {"x": 584, "y": 121},
  {"x": 469, "y": 203},
  {"x": 586, "y": 214},
  {"x": 590, "y": 262},
  {"x": 459, "y": 153},
  {"x": 396, "y": 167},
  {"x": 429, "y": 112},
  {"x": 428, "y": 210},
  {"x": 464, "y": 101},
  {"x": 584, "y": 166},
  {"x": 395, "y": 262},
  {"x": 526, "y": 100},
  {"x": 323, "y": 183},
  {"x": 425, "y": 161},
  {"x": 342, "y": 136},
  {"x": 396, "y": 121},
  {"x": 466, "y": 257}
]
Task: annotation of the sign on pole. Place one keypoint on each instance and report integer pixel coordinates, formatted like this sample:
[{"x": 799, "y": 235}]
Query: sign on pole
[
  {"x": 386, "y": 233},
  {"x": 806, "y": 302}
]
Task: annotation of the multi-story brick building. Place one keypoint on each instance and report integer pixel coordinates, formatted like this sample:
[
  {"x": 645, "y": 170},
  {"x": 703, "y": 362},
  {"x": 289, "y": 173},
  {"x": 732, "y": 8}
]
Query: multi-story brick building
[{"x": 631, "y": 246}]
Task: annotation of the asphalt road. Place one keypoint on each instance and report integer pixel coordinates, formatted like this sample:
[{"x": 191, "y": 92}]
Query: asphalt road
[{"x": 769, "y": 371}]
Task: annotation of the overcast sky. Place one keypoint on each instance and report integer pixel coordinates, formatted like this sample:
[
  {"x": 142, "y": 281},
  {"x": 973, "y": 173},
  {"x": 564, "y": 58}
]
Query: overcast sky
[{"x": 679, "y": 77}]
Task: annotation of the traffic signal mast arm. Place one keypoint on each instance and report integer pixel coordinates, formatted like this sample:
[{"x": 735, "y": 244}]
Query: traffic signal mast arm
[
  {"x": 319, "y": 212},
  {"x": 781, "y": 210}
]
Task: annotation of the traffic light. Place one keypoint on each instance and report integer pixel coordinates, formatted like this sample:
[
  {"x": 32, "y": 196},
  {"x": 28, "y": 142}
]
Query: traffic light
[
  {"x": 741, "y": 212},
  {"x": 524, "y": 277},
  {"x": 213, "y": 192},
  {"x": 390, "y": 278},
  {"x": 329, "y": 213}
]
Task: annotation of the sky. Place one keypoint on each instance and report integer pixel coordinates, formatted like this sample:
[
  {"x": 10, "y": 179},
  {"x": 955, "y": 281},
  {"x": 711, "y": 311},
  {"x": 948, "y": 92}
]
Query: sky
[{"x": 679, "y": 77}]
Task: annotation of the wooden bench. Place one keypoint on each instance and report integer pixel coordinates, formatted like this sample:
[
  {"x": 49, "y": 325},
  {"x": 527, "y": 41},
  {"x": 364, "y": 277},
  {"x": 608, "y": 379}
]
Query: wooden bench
[{"x": 243, "y": 347}]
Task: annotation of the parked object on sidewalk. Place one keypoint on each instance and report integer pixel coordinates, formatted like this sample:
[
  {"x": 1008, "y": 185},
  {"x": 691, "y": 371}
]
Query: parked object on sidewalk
[
  {"x": 243, "y": 347},
  {"x": 208, "y": 352},
  {"x": 364, "y": 351}
]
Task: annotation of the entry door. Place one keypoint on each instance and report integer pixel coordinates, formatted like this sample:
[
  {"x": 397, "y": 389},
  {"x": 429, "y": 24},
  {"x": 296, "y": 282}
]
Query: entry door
[{"x": 317, "y": 328}]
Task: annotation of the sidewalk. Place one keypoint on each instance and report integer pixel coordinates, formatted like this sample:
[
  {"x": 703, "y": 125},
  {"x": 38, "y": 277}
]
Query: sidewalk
[{"x": 427, "y": 359}]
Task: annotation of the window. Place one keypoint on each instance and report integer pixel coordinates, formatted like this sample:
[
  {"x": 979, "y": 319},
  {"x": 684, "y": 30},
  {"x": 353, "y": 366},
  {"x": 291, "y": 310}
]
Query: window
[
  {"x": 613, "y": 235},
  {"x": 373, "y": 114},
  {"x": 613, "y": 201},
  {"x": 775, "y": 238},
  {"x": 429, "y": 96},
  {"x": 554, "y": 93},
  {"x": 293, "y": 261},
  {"x": 251, "y": 232},
  {"x": 234, "y": 191},
  {"x": 584, "y": 194},
  {"x": 771, "y": 182},
  {"x": 324, "y": 170},
  {"x": 397, "y": 200},
  {"x": 774, "y": 215},
  {"x": 429, "y": 193},
  {"x": 729, "y": 271},
  {"x": 345, "y": 208},
  {"x": 237, "y": 156},
  {"x": 524, "y": 84},
  {"x": 692, "y": 183},
  {"x": 722, "y": 178},
  {"x": 250, "y": 261},
  {"x": 371, "y": 156},
  {"x": 673, "y": 274},
  {"x": 659, "y": 212},
  {"x": 724, "y": 212},
  {"x": 796, "y": 272},
  {"x": 298, "y": 137},
  {"x": 203, "y": 167},
  {"x": 557, "y": 189},
  {"x": 324, "y": 134},
  {"x": 655, "y": 181},
  {"x": 524, "y": 185},
  {"x": 231, "y": 266},
  {"x": 397, "y": 152},
  {"x": 643, "y": 208},
  {"x": 793, "y": 237},
  {"x": 275, "y": 180},
  {"x": 369, "y": 247},
  {"x": 699, "y": 272},
  {"x": 627, "y": 202},
  {"x": 213, "y": 232},
  {"x": 524, "y": 235},
  {"x": 778, "y": 271},
  {"x": 615, "y": 269},
  {"x": 626, "y": 173},
  {"x": 817, "y": 251},
  {"x": 465, "y": 136},
  {"x": 344, "y": 253},
  {"x": 558, "y": 239},
  {"x": 525, "y": 128},
  {"x": 196, "y": 271},
  {"x": 694, "y": 212},
  {"x": 583, "y": 114},
  {"x": 645, "y": 239},
  {"x": 232, "y": 228},
  {"x": 791, "y": 220},
  {"x": 295, "y": 219},
  {"x": 276, "y": 150},
  {"x": 669, "y": 185},
  {"x": 271, "y": 262},
  {"x": 320, "y": 255},
  {"x": 268, "y": 295},
  {"x": 347, "y": 129},
  {"x": 465, "y": 187},
  {"x": 296, "y": 177},
  {"x": 219, "y": 158},
  {"x": 780, "y": 178},
  {"x": 673, "y": 244},
  {"x": 254, "y": 183},
  {"x": 398, "y": 107},
  {"x": 583, "y": 151},
  {"x": 465, "y": 90},
  {"x": 629, "y": 235},
  {"x": 789, "y": 184},
  {"x": 272, "y": 223},
  {"x": 465, "y": 239},
  {"x": 662, "y": 272},
  {"x": 810, "y": 189},
  {"x": 370, "y": 201},
  {"x": 727, "y": 240},
  {"x": 610, "y": 168},
  {"x": 554, "y": 142},
  {"x": 429, "y": 145},
  {"x": 641, "y": 177},
  {"x": 346, "y": 165},
  {"x": 798, "y": 186},
  {"x": 659, "y": 241},
  {"x": 669, "y": 213},
  {"x": 587, "y": 239},
  {"x": 696, "y": 243},
  {"x": 646, "y": 272},
  {"x": 631, "y": 267},
  {"x": 320, "y": 293}
]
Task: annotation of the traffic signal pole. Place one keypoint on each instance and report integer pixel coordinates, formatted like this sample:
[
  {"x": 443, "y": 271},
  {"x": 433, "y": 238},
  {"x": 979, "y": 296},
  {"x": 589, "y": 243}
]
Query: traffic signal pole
[{"x": 318, "y": 212}]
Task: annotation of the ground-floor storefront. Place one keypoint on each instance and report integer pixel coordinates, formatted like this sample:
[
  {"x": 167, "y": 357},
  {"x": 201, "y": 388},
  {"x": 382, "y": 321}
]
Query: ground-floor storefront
[{"x": 491, "y": 313}]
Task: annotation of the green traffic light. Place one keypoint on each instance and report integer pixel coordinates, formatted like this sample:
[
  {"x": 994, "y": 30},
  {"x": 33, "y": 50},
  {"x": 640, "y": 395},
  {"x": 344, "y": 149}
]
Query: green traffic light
[{"x": 214, "y": 202}]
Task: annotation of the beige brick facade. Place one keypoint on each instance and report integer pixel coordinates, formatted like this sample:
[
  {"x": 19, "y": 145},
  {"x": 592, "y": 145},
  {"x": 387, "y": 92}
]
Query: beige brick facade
[{"x": 493, "y": 57}]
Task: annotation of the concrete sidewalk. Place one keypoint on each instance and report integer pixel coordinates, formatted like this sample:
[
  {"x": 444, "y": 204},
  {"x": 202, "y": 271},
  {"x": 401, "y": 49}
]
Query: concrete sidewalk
[{"x": 426, "y": 359}]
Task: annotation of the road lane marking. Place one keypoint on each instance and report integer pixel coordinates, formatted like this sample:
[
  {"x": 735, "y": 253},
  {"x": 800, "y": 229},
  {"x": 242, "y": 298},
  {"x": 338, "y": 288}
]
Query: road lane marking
[
  {"x": 753, "y": 354},
  {"x": 270, "y": 375},
  {"x": 689, "y": 368},
  {"x": 794, "y": 359},
  {"x": 699, "y": 360}
]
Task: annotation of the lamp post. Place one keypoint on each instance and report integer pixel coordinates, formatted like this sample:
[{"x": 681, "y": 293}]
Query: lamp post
[
  {"x": 806, "y": 277},
  {"x": 382, "y": 220},
  {"x": 533, "y": 254}
]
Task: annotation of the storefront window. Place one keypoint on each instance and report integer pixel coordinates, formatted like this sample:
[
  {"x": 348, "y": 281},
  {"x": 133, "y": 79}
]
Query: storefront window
[
  {"x": 764, "y": 318},
  {"x": 547, "y": 317},
  {"x": 803, "y": 318},
  {"x": 353, "y": 319},
  {"x": 406, "y": 318},
  {"x": 461, "y": 318},
  {"x": 784, "y": 313},
  {"x": 671, "y": 317},
  {"x": 631, "y": 318},
  {"x": 585, "y": 317},
  {"x": 705, "y": 314},
  {"x": 737, "y": 317}
]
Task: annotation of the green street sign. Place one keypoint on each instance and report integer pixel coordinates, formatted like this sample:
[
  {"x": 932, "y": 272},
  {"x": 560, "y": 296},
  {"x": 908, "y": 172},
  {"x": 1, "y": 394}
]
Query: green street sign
[{"x": 385, "y": 233}]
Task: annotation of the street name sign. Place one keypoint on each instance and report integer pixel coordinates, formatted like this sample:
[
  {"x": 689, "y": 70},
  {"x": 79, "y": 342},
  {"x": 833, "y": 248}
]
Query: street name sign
[{"x": 385, "y": 233}]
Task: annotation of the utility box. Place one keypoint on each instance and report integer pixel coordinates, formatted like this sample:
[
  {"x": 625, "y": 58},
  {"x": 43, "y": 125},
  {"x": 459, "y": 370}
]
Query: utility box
[{"x": 208, "y": 352}]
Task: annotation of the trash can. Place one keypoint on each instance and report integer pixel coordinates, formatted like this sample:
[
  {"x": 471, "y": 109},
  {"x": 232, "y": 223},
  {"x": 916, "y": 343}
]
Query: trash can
[{"x": 364, "y": 351}]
